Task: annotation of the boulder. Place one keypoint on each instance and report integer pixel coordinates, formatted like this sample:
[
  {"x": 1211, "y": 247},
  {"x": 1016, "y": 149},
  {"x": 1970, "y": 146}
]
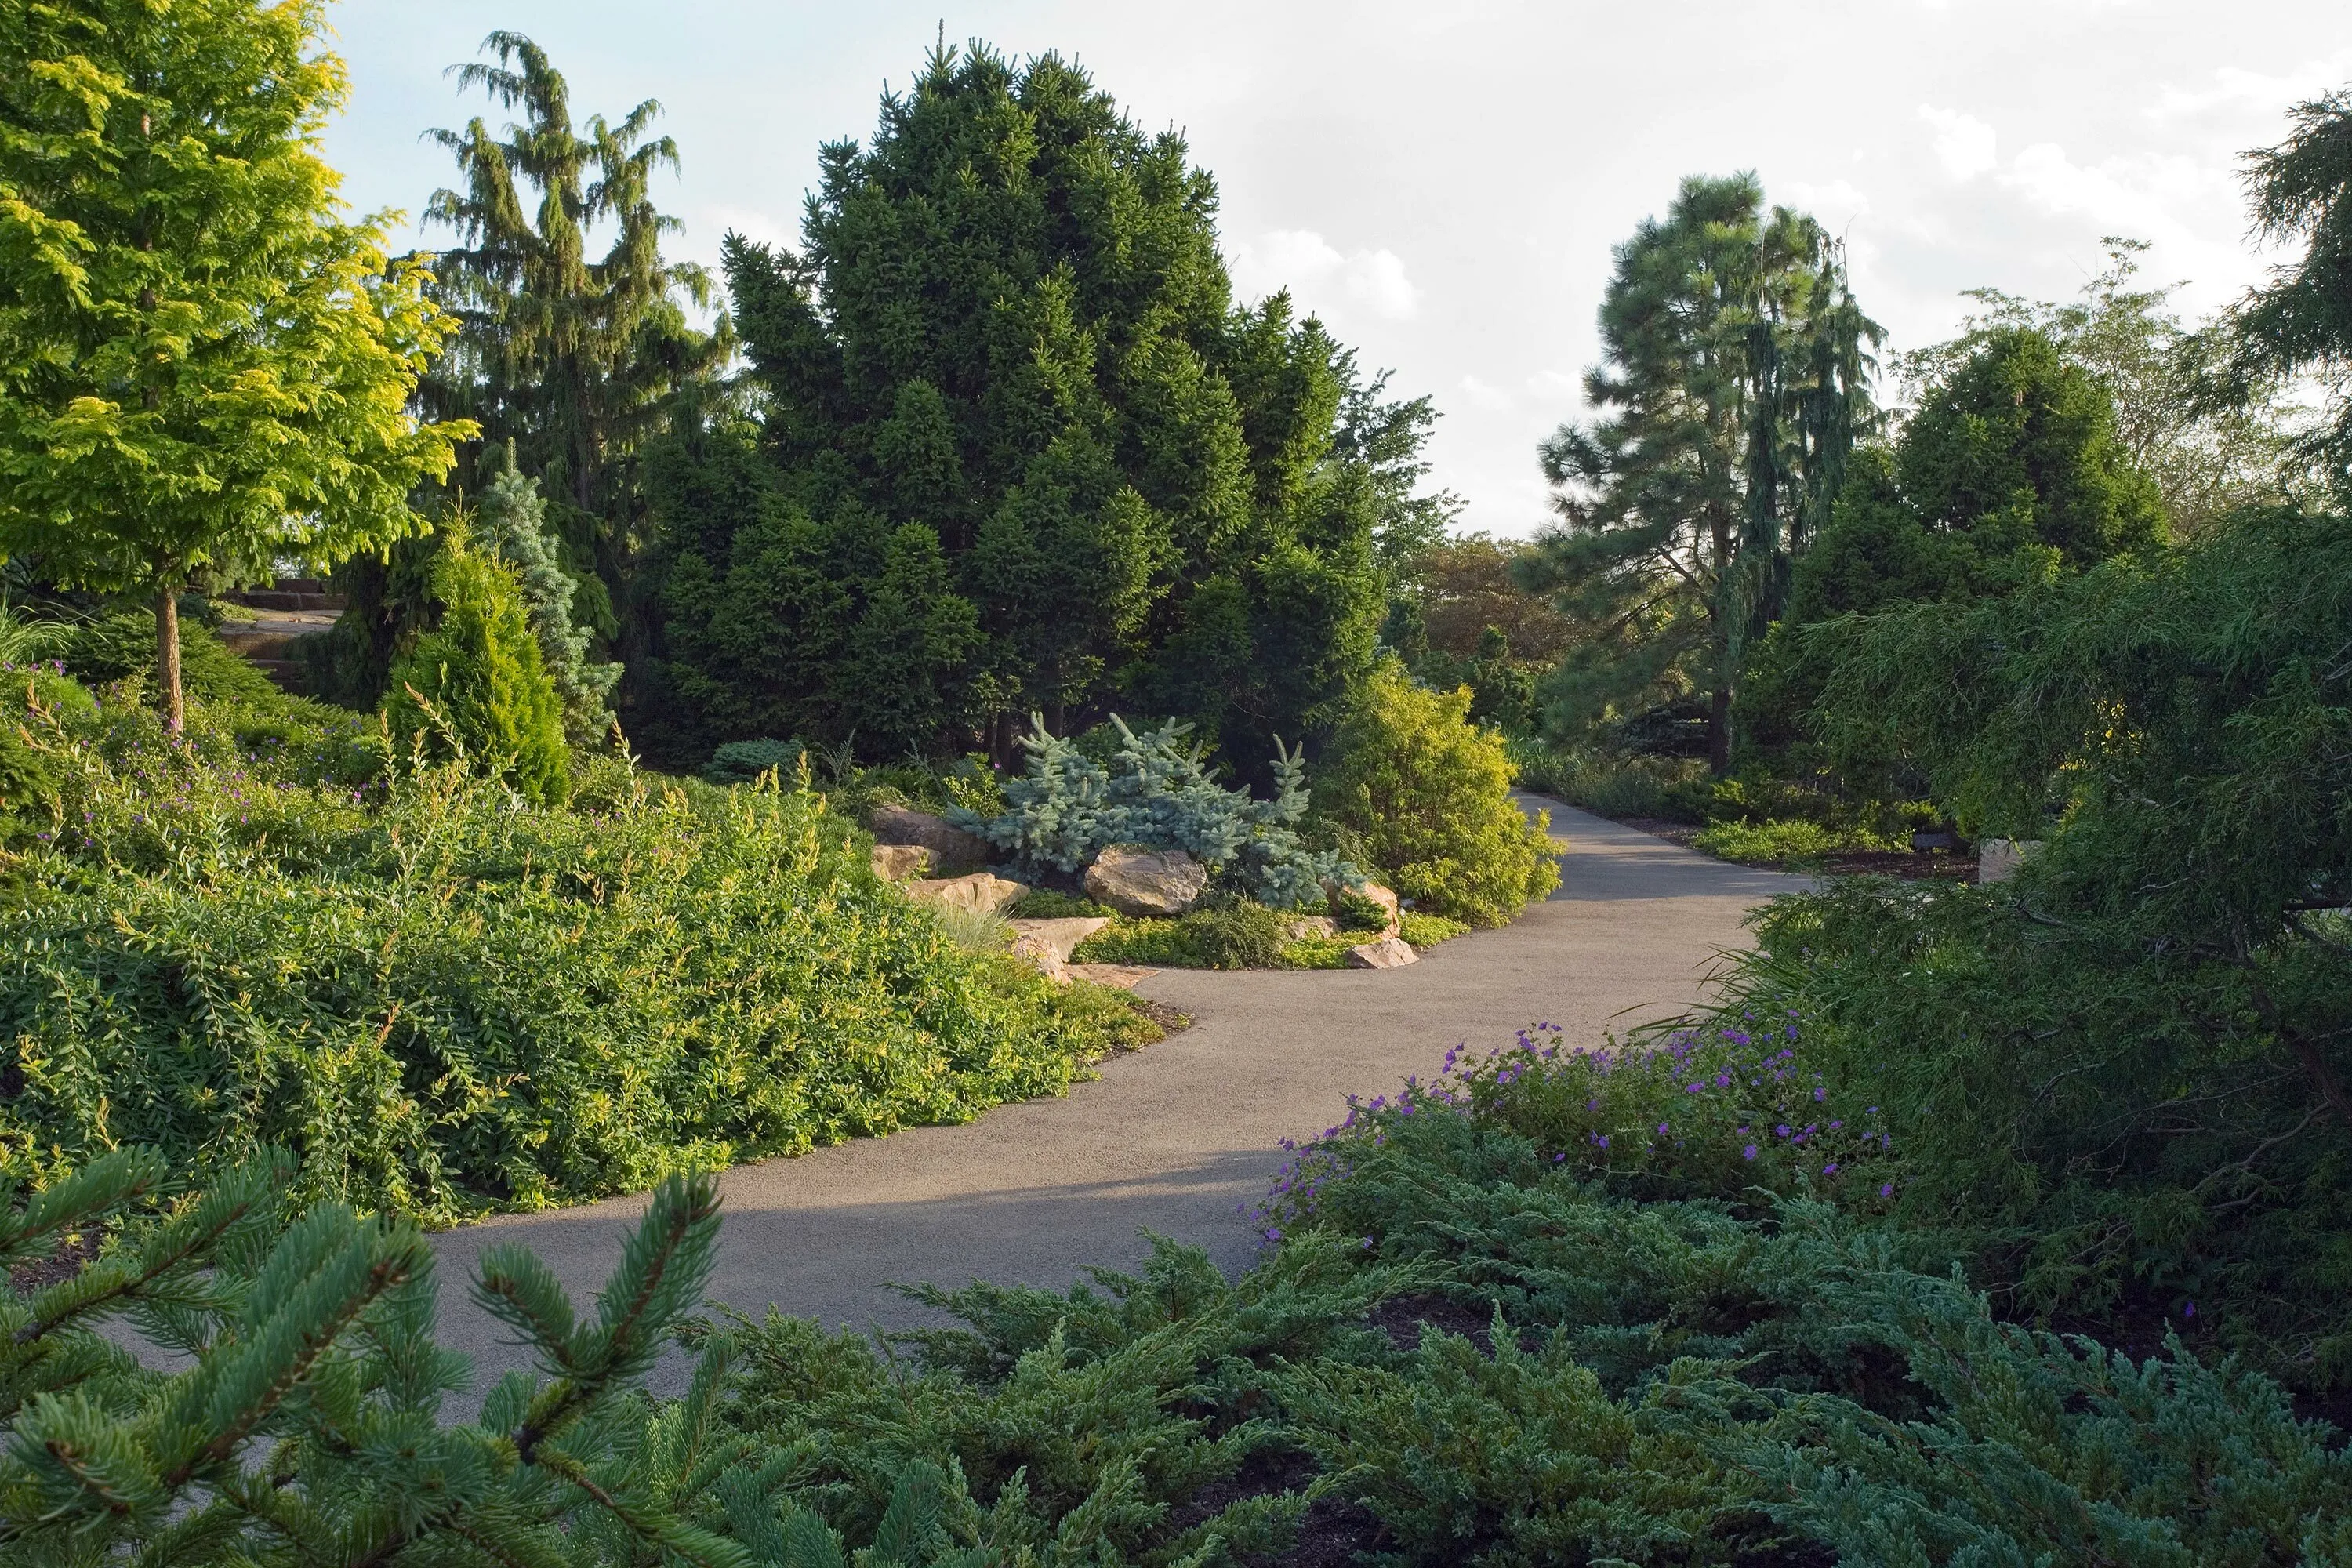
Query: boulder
[
  {"x": 1307, "y": 926},
  {"x": 1384, "y": 896},
  {"x": 1999, "y": 858},
  {"x": 1049, "y": 943},
  {"x": 1146, "y": 881},
  {"x": 897, "y": 862},
  {"x": 981, "y": 892},
  {"x": 1389, "y": 953},
  {"x": 953, "y": 851}
]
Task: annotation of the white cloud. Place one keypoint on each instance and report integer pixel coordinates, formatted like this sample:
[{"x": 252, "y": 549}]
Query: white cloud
[
  {"x": 1964, "y": 144},
  {"x": 1310, "y": 266},
  {"x": 2234, "y": 87},
  {"x": 1485, "y": 398}
]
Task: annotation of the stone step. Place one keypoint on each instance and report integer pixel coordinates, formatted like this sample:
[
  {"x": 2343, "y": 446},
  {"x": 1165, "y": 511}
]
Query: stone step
[{"x": 285, "y": 672}]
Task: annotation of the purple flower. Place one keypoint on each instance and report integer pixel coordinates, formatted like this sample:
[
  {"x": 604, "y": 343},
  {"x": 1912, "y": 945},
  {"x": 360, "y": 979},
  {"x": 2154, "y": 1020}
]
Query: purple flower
[
  {"x": 1661, "y": 1127},
  {"x": 1821, "y": 1094},
  {"x": 1830, "y": 1169},
  {"x": 1887, "y": 1190},
  {"x": 1749, "y": 1153},
  {"x": 2190, "y": 1311},
  {"x": 1782, "y": 1129}
]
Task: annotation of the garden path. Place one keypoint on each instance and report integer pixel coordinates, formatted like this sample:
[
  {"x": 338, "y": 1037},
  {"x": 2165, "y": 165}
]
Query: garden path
[{"x": 1172, "y": 1138}]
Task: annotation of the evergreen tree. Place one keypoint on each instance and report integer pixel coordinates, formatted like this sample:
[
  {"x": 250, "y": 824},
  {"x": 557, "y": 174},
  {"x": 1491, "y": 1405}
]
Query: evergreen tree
[
  {"x": 203, "y": 368},
  {"x": 474, "y": 686},
  {"x": 575, "y": 360},
  {"x": 1732, "y": 388},
  {"x": 511, "y": 524},
  {"x": 2301, "y": 324},
  {"x": 1008, "y": 330}
]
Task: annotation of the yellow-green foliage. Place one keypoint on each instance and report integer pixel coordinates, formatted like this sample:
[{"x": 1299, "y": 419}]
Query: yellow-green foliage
[
  {"x": 443, "y": 1002},
  {"x": 475, "y": 686},
  {"x": 1428, "y": 794}
]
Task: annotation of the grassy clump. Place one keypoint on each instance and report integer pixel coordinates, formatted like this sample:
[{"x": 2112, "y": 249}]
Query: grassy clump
[
  {"x": 447, "y": 1001},
  {"x": 1238, "y": 937}
]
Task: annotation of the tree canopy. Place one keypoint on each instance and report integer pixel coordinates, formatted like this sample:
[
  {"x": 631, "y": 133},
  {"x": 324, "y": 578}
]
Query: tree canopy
[
  {"x": 203, "y": 368},
  {"x": 1020, "y": 450},
  {"x": 1733, "y": 383}
]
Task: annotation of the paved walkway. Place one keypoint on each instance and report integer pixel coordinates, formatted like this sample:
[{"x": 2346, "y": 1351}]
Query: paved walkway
[{"x": 1172, "y": 1137}]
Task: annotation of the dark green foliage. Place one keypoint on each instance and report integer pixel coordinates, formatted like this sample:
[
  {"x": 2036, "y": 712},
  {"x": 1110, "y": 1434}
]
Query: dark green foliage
[
  {"x": 1428, "y": 795},
  {"x": 1733, "y": 383},
  {"x": 1227, "y": 935},
  {"x": 446, "y": 1003},
  {"x": 474, "y": 688},
  {"x": 1022, "y": 452},
  {"x": 740, "y": 762},
  {"x": 2302, "y": 322}
]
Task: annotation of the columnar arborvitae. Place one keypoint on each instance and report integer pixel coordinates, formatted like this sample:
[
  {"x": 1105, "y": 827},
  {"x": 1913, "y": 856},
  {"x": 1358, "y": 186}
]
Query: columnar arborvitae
[{"x": 474, "y": 686}]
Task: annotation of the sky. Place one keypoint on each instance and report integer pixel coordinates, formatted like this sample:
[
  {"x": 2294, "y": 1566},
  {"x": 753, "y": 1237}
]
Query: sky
[{"x": 1442, "y": 182}]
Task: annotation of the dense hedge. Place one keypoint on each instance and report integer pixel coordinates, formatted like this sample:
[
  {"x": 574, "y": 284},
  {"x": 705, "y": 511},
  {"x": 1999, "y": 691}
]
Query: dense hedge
[{"x": 447, "y": 1000}]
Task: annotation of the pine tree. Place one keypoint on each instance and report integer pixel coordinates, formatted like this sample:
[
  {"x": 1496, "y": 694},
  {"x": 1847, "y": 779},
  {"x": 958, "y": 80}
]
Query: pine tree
[
  {"x": 203, "y": 368},
  {"x": 474, "y": 687},
  {"x": 510, "y": 525},
  {"x": 2301, "y": 324},
  {"x": 1732, "y": 387}
]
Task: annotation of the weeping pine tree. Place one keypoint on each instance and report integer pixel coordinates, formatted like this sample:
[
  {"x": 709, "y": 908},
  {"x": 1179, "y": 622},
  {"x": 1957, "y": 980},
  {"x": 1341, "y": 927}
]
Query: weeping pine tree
[{"x": 1733, "y": 386}]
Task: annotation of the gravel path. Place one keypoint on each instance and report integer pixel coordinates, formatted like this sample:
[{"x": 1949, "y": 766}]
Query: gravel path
[{"x": 1173, "y": 1137}]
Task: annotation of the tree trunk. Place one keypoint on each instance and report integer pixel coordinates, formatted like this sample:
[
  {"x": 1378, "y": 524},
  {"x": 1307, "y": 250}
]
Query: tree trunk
[
  {"x": 167, "y": 656},
  {"x": 1718, "y": 732}
]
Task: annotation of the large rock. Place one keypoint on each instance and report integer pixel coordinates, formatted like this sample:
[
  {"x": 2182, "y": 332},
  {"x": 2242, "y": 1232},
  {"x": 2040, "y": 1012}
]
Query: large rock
[
  {"x": 1307, "y": 926},
  {"x": 980, "y": 892},
  {"x": 1999, "y": 858},
  {"x": 1123, "y": 975},
  {"x": 1146, "y": 881},
  {"x": 897, "y": 862},
  {"x": 1049, "y": 943},
  {"x": 1384, "y": 896},
  {"x": 1389, "y": 953},
  {"x": 953, "y": 851}
]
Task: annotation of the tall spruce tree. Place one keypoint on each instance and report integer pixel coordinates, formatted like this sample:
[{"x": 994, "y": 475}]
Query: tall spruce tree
[
  {"x": 1733, "y": 385},
  {"x": 2301, "y": 322},
  {"x": 575, "y": 360},
  {"x": 1020, "y": 450}
]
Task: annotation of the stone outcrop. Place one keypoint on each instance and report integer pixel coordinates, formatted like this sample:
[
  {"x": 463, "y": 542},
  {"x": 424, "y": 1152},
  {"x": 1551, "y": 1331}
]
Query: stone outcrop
[
  {"x": 1384, "y": 896},
  {"x": 953, "y": 851},
  {"x": 1999, "y": 858},
  {"x": 1307, "y": 926},
  {"x": 897, "y": 862},
  {"x": 1123, "y": 975},
  {"x": 1049, "y": 943},
  {"x": 1389, "y": 953},
  {"x": 1146, "y": 881},
  {"x": 981, "y": 892}
]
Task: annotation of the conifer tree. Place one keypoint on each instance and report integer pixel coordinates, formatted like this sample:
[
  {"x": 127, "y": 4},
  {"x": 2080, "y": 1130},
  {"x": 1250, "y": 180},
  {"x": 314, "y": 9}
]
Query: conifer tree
[
  {"x": 203, "y": 367},
  {"x": 1732, "y": 387},
  {"x": 576, "y": 360},
  {"x": 511, "y": 524},
  {"x": 2300, "y": 323},
  {"x": 1009, "y": 328},
  {"x": 475, "y": 685}
]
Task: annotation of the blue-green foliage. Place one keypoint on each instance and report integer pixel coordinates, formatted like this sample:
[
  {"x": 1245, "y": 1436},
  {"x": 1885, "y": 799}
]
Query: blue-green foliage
[
  {"x": 1067, "y": 808},
  {"x": 740, "y": 762}
]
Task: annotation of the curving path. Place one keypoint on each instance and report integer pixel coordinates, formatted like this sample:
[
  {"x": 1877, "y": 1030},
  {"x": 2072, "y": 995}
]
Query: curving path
[{"x": 1172, "y": 1138}]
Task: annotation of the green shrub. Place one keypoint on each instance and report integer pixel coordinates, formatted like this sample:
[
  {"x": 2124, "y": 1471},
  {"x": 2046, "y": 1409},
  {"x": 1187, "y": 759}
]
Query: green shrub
[
  {"x": 740, "y": 762},
  {"x": 474, "y": 686},
  {"x": 1429, "y": 794},
  {"x": 1156, "y": 792},
  {"x": 1231, "y": 934},
  {"x": 447, "y": 1004},
  {"x": 1426, "y": 930},
  {"x": 1045, "y": 904},
  {"x": 1768, "y": 842},
  {"x": 511, "y": 525}
]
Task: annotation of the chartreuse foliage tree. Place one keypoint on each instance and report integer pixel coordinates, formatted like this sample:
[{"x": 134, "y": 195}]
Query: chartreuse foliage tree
[
  {"x": 1021, "y": 451},
  {"x": 1733, "y": 385},
  {"x": 203, "y": 368},
  {"x": 1428, "y": 794},
  {"x": 476, "y": 687}
]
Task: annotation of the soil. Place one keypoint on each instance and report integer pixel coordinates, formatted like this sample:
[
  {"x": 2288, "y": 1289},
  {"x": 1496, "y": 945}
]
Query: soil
[
  {"x": 72, "y": 1256},
  {"x": 1912, "y": 866},
  {"x": 1170, "y": 1020}
]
